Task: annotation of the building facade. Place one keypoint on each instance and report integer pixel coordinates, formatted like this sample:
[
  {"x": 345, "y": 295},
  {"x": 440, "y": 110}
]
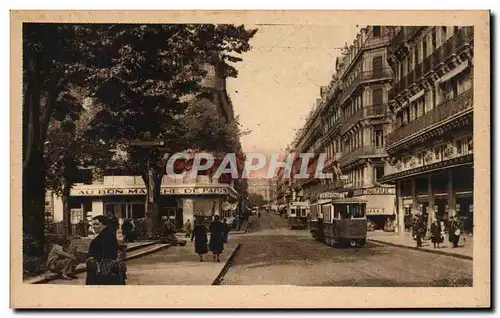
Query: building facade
[
  {"x": 263, "y": 187},
  {"x": 431, "y": 143},
  {"x": 355, "y": 120}
]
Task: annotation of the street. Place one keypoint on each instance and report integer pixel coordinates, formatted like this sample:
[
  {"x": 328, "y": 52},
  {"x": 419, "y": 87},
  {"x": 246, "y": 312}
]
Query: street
[{"x": 272, "y": 254}]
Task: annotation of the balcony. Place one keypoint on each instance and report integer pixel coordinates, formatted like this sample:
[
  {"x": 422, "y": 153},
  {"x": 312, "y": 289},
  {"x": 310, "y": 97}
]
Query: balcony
[
  {"x": 362, "y": 151},
  {"x": 363, "y": 113},
  {"x": 445, "y": 111},
  {"x": 365, "y": 77},
  {"x": 405, "y": 34}
]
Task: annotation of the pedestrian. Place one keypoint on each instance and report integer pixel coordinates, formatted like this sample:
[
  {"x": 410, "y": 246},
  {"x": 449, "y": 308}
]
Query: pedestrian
[
  {"x": 187, "y": 228},
  {"x": 454, "y": 231},
  {"x": 199, "y": 235},
  {"x": 227, "y": 228},
  {"x": 60, "y": 261},
  {"x": 216, "y": 230},
  {"x": 127, "y": 230},
  {"x": 436, "y": 237},
  {"x": 419, "y": 229},
  {"x": 103, "y": 266},
  {"x": 112, "y": 223}
]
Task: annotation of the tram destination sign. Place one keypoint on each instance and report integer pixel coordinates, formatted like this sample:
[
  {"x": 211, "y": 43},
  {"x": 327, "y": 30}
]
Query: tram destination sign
[{"x": 142, "y": 191}]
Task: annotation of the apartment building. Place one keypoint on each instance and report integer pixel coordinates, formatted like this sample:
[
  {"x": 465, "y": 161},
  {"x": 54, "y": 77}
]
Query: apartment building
[{"x": 431, "y": 143}]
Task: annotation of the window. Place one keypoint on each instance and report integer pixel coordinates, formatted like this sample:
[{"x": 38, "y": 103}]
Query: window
[
  {"x": 357, "y": 211},
  {"x": 378, "y": 172},
  {"x": 443, "y": 33},
  {"x": 424, "y": 48},
  {"x": 377, "y": 66},
  {"x": 433, "y": 39},
  {"x": 377, "y": 97},
  {"x": 458, "y": 145},
  {"x": 376, "y": 31},
  {"x": 417, "y": 61},
  {"x": 378, "y": 137},
  {"x": 327, "y": 215}
]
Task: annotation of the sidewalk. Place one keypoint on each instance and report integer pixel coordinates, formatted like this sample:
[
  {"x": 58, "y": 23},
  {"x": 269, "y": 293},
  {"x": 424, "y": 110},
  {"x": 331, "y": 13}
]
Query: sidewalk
[
  {"x": 134, "y": 250},
  {"x": 176, "y": 265},
  {"x": 464, "y": 249}
]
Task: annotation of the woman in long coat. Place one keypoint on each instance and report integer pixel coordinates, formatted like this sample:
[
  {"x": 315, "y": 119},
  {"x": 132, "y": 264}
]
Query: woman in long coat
[
  {"x": 216, "y": 238},
  {"x": 436, "y": 233},
  {"x": 199, "y": 235},
  {"x": 103, "y": 266}
]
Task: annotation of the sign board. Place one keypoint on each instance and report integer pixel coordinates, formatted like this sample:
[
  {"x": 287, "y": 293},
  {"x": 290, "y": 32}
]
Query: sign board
[
  {"x": 142, "y": 191},
  {"x": 331, "y": 195},
  {"x": 376, "y": 211},
  {"x": 375, "y": 191},
  {"x": 344, "y": 177}
]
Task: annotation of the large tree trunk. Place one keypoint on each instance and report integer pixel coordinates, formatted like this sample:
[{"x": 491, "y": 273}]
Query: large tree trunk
[
  {"x": 152, "y": 180},
  {"x": 66, "y": 210},
  {"x": 33, "y": 193}
]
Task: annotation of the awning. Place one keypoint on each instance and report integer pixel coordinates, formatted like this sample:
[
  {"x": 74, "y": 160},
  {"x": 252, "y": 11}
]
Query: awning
[{"x": 457, "y": 70}]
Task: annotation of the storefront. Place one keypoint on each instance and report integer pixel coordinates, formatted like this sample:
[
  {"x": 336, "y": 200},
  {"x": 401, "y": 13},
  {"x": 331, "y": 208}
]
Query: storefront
[
  {"x": 441, "y": 194},
  {"x": 380, "y": 207},
  {"x": 178, "y": 203}
]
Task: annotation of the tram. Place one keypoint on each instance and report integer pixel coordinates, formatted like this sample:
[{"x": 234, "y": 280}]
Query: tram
[
  {"x": 297, "y": 215},
  {"x": 339, "y": 222}
]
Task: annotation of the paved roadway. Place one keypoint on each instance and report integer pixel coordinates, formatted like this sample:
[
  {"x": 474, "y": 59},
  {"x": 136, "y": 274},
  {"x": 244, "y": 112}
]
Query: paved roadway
[{"x": 272, "y": 254}]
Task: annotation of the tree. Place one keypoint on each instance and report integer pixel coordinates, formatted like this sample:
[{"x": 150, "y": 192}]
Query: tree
[
  {"x": 145, "y": 74},
  {"x": 70, "y": 147},
  {"x": 52, "y": 59}
]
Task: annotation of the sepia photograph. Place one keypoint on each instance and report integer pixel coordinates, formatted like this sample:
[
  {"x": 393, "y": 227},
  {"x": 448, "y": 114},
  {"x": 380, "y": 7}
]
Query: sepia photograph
[{"x": 209, "y": 151}]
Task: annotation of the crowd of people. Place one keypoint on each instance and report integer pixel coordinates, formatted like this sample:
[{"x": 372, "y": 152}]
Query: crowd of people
[{"x": 453, "y": 228}]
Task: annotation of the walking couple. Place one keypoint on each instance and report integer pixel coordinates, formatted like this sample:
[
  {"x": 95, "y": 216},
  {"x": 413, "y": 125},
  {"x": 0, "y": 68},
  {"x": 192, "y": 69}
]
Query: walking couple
[{"x": 218, "y": 237}]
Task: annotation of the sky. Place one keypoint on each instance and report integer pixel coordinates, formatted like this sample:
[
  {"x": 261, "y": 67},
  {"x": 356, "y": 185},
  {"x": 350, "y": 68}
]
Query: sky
[{"x": 279, "y": 81}]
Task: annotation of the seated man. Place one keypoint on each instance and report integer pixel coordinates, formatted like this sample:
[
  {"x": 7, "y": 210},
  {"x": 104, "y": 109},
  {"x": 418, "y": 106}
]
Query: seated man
[{"x": 61, "y": 262}]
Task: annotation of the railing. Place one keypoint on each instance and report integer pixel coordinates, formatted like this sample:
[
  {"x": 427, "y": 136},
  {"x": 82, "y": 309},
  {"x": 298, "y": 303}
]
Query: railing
[
  {"x": 436, "y": 115},
  {"x": 365, "y": 76},
  {"x": 441, "y": 54},
  {"x": 365, "y": 112},
  {"x": 403, "y": 35},
  {"x": 361, "y": 152}
]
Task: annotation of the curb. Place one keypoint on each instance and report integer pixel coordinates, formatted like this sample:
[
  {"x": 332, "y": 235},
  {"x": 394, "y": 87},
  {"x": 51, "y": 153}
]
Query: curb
[
  {"x": 423, "y": 249},
  {"x": 224, "y": 270},
  {"x": 80, "y": 268}
]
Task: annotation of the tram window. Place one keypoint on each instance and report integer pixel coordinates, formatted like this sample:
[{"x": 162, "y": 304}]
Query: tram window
[
  {"x": 357, "y": 212},
  {"x": 336, "y": 212}
]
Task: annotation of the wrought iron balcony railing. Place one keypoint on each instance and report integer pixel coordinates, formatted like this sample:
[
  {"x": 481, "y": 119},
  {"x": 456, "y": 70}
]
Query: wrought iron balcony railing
[
  {"x": 364, "y": 77},
  {"x": 433, "y": 117},
  {"x": 402, "y": 36},
  {"x": 361, "y": 152},
  {"x": 365, "y": 112}
]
